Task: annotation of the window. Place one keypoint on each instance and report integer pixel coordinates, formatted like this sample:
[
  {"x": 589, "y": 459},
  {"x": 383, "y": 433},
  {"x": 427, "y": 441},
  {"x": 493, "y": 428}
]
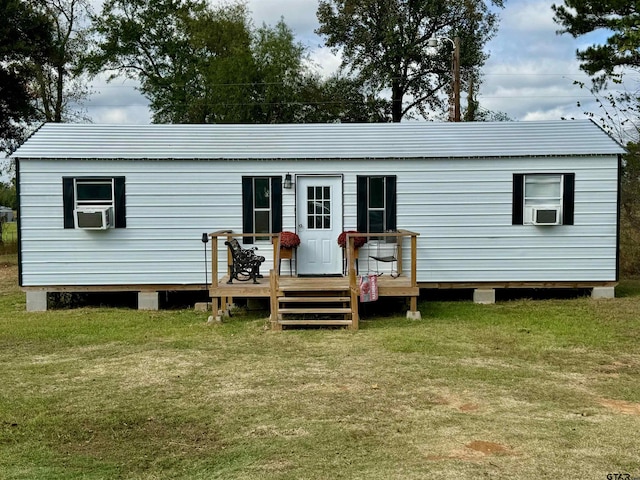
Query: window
[
  {"x": 319, "y": 208},
  {"x": 90, "y": 193},
  {"x": 543, "y": 199},
  {"x": 86, "y": 193},
  {"x": 376, "y": 203},
  {"x": 261, "y": 206}
]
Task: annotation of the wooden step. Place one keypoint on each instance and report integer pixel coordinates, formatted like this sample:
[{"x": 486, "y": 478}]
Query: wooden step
[
  {"x": 315, "y": 322},
  {"x": 314, "y": 288},
  {"x": 313, "y": 299},
  {"x": 308, "y": 304},
  {"x": 314, "y": 311}
]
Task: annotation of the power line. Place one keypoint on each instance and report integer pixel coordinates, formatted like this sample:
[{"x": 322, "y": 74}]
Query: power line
[{"x": 282, "y": 83}]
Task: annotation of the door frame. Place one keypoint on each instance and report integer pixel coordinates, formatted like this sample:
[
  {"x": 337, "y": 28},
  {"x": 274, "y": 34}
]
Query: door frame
[{"x": 338, "y": 213}]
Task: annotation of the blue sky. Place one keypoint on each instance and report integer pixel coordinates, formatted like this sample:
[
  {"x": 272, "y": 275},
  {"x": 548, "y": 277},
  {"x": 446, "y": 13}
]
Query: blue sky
[{"x": 529, "y": 76}]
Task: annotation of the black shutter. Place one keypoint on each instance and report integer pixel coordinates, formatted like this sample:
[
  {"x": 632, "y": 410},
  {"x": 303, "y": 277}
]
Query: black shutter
[
  {"x": 362, "y": 199},
  {"x": 391, "y": 204},
  {"x": 276, "y": 204},
  {"x": 120, "y": 210},
  {"x": 68, "y": 201},
  {"x": 517, "y": 214},
  {"x": 568, "y": 198},
  {"x": 247, "y": 208}
]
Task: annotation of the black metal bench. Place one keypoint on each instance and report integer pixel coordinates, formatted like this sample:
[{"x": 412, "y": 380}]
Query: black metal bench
[{"x": 246, "y": 264}]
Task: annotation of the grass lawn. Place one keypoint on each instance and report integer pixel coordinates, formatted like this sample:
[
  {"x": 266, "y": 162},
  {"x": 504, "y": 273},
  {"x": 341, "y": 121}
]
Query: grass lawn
[
  {"x": 9, "y": 244},
  {"x": 543, "y": 389},
  {"x": 9, "y": 232}
]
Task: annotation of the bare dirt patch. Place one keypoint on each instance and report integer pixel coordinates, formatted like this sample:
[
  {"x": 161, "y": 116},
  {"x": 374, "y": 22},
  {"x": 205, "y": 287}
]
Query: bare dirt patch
[
  {"x": 621, "y": 406},
  {"x": 469, "y": 407},
  {"x": 487, "y": 448},
  {"x": 473, "y": 452}
]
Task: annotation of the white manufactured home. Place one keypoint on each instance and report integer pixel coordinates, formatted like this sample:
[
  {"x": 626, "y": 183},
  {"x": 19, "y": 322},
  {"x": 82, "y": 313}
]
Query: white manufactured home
[{"x": 473, "y": 205}]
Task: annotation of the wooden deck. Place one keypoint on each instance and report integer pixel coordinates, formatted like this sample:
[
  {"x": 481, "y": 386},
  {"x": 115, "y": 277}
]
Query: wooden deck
[
  {"x": 387, "y": 286},
  {"x": 323, "y": 300}
]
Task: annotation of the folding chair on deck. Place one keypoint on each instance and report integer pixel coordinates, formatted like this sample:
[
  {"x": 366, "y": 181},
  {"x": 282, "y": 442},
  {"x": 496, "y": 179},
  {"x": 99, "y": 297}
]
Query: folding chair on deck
[{"x": 385, "y": 253}]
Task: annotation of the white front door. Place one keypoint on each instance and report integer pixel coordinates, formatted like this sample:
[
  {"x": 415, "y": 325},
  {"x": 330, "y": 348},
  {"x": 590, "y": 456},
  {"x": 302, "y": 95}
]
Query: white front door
[{"x": 319, "y": 218}]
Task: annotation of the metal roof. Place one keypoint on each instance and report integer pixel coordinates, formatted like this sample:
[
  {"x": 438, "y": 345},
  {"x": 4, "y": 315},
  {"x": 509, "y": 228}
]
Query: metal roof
[{"x": 324, "y": 141}]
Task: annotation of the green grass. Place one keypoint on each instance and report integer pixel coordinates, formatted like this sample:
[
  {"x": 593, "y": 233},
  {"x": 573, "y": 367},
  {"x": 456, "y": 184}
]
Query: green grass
[
  {"x": 522, "y": 389},
  {"x": 9, "y": 245},
  {"x": 10, "y": 232}
]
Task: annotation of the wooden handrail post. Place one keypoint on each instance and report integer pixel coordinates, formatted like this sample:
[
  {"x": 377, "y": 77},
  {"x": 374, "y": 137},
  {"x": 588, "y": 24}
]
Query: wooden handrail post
[
  {"x": 414, "y": 260},
  {"x": 214, "y": 261},
  {"x": 229, "y": 256},
  {"x": 353, "y": 284},
  {"x": 274, "y": 284},
  {"x": 275, "y": 243},
  {"x": 399, "y": 241},
  {"x": 273, "y": 299}
]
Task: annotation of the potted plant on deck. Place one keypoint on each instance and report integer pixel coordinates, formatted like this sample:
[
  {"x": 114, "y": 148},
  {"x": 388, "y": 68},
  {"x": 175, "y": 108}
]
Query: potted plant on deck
[
  {"x": 358, "y": 242},
  {"x": 289, "y": 241}
]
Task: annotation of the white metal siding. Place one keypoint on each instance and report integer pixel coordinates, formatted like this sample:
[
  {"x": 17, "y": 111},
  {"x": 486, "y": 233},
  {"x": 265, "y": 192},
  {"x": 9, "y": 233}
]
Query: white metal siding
[{"x": 460, "y": 207}]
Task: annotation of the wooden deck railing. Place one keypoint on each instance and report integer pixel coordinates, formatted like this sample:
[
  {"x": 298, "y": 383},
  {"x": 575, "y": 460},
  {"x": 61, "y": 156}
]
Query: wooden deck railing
[
  {"x": 399, "y": 235},
  {"x": 228, "y": 235},
  {"x": 274, "y": 275}
]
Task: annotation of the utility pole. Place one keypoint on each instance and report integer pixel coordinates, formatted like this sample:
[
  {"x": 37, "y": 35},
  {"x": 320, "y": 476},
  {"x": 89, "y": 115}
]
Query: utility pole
[
  {"x": 456, "y": 79},
  {"x": 454, "y": 100}
]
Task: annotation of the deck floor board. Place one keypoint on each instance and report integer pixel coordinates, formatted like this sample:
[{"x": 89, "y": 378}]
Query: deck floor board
[{"x": 387, "y": 286}]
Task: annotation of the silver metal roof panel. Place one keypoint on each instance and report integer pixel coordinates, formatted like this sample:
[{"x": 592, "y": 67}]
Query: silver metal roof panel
[{"x": 306, "y": 141}]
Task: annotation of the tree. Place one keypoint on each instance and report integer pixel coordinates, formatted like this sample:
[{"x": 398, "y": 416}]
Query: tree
[
  {"x": 618, "y": 18},
  {"x": 283, "y": 76},
  {"x": 202, "y": 64},
  {"x": 8, "y": 196},
  {"x": 58, "y": 86},
  {"x": 148, "y": 40},
  {"x": 631, "y": 184},
  {"x": 224, "y": 69},
  {"x": 341, "y": 99},
  {"x": 630, "y": 211},
  {"x": 385, "y": 44},
  {"x": 25, "y": 39}
]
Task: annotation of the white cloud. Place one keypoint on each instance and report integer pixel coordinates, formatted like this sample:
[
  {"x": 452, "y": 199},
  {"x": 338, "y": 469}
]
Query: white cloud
[
  {"x": 552, "y": 114},
  {"x": 325, "y": 61},
  {"x": 532, "y": 69},
  {"x": 299, "y": 15},
  {"x": 530, "y": 16},
  {"x": 117, "y": 101},
  {"x": 138, "y": 115}
]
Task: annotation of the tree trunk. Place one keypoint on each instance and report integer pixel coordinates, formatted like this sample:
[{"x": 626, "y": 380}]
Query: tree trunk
[
  {"x": 396, "y": 101},
  {"x": 59, "y": 94}
]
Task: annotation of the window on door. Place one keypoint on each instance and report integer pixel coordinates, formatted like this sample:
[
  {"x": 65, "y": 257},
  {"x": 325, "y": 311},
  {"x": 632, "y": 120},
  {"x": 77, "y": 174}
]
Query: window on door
[
  {"x": 376, "y": 203},
  {"x": 261, "y": 207},
  {"x": 319, "y": 208}
]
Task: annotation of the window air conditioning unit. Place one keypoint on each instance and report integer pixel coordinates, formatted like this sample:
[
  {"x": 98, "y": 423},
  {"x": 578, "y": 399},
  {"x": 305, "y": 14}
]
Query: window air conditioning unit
[
  {"x": 94, "y": 218},
  {"x": 546, "y": 215}
]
